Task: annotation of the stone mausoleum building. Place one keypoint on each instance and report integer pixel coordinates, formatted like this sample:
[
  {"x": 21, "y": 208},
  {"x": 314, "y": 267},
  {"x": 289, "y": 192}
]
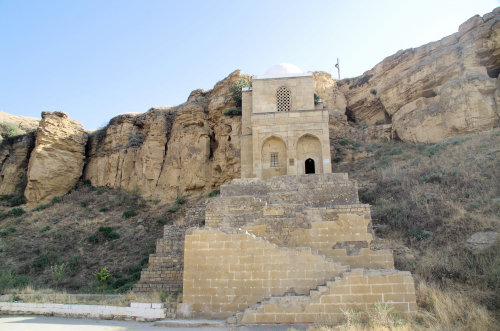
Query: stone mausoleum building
[
  {"x": 283, "y": 133},
  {"x": 277, "y": 245}
]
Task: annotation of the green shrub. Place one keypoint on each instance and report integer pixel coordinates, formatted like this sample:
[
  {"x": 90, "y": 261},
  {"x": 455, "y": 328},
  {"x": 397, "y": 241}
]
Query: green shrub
[
  {"x": 101, "y": 190},
  {"x": 173, "y": 208},
  {"x": 129, "y": 213},
  {"x": 236, "y": 89},
  {"x": 419, "y": 234},
  {"x": 317, "y": 99},
  {"x": 103, "y": 209},
  {"x": 9, "y": 129},
  {"x": 180, "y": 201},
  {"x": 232, "y": 112},
  {"x": 108, "y": 233},
  {"x": 41, "y": 207},
  {"x": 93, "y": 238},
  {"x": 56, "y": 200},
  {"x": 84, "y": 204},
  {"x": 164, "y": 220},
  {"x": 337, "y": 159},
  {"x": 135, "y": 140},
  {"x": 214, "y": 193},
  {"x": 373, "y": 91},
  {"x": 16, "y": 212},
  {"x": 9, "y": 279},
  {"x": 379, "y": 122},
  {"x": 7, "y": 231},
  {"x": 344, "y": 142},
  {"x": 45, "y": 228},
  {"x": 40, "y": 262}
]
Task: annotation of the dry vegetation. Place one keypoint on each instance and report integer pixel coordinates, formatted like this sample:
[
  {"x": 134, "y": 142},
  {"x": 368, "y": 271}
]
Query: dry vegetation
[
  {"x": 426, "y": 201},
  {"x": 86, "y": 230}
]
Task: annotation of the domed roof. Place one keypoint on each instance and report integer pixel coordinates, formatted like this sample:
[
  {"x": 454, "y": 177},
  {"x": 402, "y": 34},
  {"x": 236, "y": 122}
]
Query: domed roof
[{"x": 283, "y": 69}]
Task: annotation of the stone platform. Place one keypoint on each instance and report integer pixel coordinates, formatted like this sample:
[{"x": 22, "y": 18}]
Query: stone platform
[{"x": 291, "y": 249}]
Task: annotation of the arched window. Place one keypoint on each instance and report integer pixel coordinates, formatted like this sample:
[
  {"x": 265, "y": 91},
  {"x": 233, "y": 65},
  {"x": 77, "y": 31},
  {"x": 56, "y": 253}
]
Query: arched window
[{"x": 283, "y": 99}]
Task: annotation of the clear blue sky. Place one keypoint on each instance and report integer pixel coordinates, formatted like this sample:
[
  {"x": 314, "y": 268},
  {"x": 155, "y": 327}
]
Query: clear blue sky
[{"x": 96, "y": 59}]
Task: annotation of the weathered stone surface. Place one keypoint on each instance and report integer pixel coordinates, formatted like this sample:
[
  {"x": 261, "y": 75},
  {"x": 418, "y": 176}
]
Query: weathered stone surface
[
  {"x": 14, "y": 157},
  {"x": 439, "y": 90},
  {"x": 482, "y": 240},
  {"x": 56, "y": 162},
  {"x": 170, "y": 152}
]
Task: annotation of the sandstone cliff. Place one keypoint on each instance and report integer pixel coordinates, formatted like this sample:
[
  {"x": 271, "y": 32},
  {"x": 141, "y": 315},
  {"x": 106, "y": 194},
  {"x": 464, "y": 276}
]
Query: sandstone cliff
[
  {"x": 170, "y": 152},
  {"x": 439, "y": 90},
  {"x": 56, "y": 162},
  {"x": 427, "y": 94}
]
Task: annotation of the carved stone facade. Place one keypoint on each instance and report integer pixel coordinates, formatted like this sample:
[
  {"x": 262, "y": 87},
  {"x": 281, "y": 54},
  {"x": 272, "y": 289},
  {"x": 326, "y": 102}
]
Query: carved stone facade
[{"x": 282, "y": 131}]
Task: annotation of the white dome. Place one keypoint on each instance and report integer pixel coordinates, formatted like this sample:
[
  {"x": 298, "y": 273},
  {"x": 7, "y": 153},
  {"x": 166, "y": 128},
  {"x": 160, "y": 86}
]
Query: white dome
[{"x": 283, "y": 69}]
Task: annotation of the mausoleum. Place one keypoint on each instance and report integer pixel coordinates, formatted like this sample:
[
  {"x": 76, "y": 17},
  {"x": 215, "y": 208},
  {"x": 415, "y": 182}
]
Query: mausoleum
[{"x": 283, "y": 132}]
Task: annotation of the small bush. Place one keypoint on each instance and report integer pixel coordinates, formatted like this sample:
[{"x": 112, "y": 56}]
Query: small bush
[
  {"x": 104, "y": 209},
  {"x": 7, "y": 231},
  {"x": 129, "y": 213},
  {"x": 379, "y": 122},
  {"x": 173, "y": 209},
  {"x": 93, "y": 238},
  {"x": 180, "y": 201},
  {"x": 232, "y": 112},
  {"x": 345, "y": 142},
  {"x": 40, "y": 262},
  {"x": 45, "y": 228},
  {"x": 56, "y": 200},
  {"x": 41, "y": 207},
  {"x": 164, "y": 220},
  {"x": 337, "y": 159},
  {"x": 317, "y": 99},
  {"x": 373, "y": 91},
  {"x": 419, "y": 234},
  {"x": 16, "y": 212},
  {"x": 13, "y": 200},
  {"x": 9, "y": 129},
  {"x": 214, "y": 193},
  {"x": 101, "y": 190},
  {"x": 84, "y": 204},
  {"x": 108, "y": 233},
  {"x": 236, "y": 89},
  {"x": 135, "y": 140}
]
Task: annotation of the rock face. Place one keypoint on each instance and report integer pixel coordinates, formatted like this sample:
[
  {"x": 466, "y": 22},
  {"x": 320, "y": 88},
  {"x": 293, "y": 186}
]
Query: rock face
[
  {"x": 439, "y": 90},
  {"x": 170, "y": 152},
  {"x": 56, "y": 162},
  {"x": 14, "y": 157}
]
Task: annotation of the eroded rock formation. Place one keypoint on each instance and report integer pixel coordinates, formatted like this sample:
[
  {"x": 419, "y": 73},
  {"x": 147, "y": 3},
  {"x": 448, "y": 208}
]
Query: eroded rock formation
[
  {"x": 170, "y": 152},
  {"x": 56, "y": 162},
  {"x": 14, "y": 157},
  {"x": 439, "y": 90}
]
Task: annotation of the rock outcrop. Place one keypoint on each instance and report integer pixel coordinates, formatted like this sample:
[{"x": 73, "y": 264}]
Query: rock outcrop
[
  {"x": 439, "y": 90},
  {"x": 14, "y": 157},
  {"x": 170, "y": 152},
  {"x": 56, "y": 162}
]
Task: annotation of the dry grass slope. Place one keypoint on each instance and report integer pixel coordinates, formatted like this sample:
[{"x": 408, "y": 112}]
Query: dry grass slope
[{"x": 87, "y": 229}]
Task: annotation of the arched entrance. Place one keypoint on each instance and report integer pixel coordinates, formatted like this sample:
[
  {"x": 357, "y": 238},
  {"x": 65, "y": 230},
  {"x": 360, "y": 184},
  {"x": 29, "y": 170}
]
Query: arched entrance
[
  {"x": 309, "y": 156},
  {"x": 309, "y": 166}
]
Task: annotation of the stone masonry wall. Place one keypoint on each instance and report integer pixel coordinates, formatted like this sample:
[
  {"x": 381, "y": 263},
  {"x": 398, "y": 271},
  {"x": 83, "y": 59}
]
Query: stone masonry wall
[
  {"x": 357, "y": 290},
  {"x": 227, "y": 272}
]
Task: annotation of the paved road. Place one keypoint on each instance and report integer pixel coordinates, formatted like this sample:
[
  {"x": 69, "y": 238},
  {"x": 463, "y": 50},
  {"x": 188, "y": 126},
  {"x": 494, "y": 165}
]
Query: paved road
[{"x": 44, "y": 323}]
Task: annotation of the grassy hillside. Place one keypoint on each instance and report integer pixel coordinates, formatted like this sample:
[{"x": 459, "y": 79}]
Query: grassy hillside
[
  {"x": 87, "y": 229},
  {"x": 427, "y": 200}
]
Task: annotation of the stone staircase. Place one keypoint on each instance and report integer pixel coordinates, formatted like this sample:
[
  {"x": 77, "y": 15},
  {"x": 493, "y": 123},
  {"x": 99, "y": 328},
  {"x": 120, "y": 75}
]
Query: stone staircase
[
  {"x": 165, "y": 268},
  {"x": 281, "y": 250},
  {"x": 358, "y": 290}
]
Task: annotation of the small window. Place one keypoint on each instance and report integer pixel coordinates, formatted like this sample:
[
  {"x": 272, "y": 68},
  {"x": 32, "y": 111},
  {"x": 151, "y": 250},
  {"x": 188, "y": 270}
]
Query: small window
[
  {"x": 283, "y": 99},
  {"x": 274, "y": 160}
]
